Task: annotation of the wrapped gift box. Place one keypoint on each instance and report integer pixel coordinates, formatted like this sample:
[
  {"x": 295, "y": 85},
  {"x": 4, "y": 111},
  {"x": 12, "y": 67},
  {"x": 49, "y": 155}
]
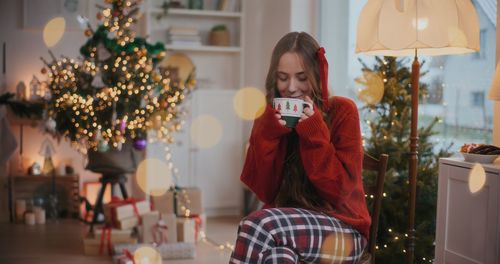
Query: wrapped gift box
[
  {"x": 164, "y": 203},
  {"x": 92, "y": 245},
  {"x": 119, "y": 210},
  {"x": 149, "y": 221},
  {"x": 127, "y": 223},
  {"x": 189, "y": 199},
  {"x": 167, "y": 251},
  {"x": 117, "y": 235},
  {"x": 202, "y": 228},
  {"x": 185, "y": 201},
  {"x": 186, "y": 230},
  {"x": 170, "y": 221}
]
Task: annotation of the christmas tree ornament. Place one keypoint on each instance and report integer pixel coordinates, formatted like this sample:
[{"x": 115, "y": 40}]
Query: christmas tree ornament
[
  {"x": 83, "y": 21},
  {"x": 97, "y": 81},
  {"x": 102, "y": 146},
  {"x": 163, "y": 104},
  {"x": 43, "y": 70},
  {"x": 99, "y": 16},
  {"x": 50, "y": 125},
  {"x": 102, "y": 52},
  {"x": 123, "y": 125},
  {"x": 140, "y": 143},
  {"x": 88, "y": 33}
]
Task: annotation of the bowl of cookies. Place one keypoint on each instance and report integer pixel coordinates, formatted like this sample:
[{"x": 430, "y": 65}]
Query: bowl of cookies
[{"x": 481, "y": 153}]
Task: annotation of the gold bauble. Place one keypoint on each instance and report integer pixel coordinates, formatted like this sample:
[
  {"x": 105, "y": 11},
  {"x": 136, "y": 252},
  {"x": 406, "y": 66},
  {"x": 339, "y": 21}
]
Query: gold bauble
[{"x": 88, "y": 32}]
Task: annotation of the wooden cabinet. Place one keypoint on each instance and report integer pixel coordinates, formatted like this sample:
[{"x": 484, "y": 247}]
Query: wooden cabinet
[
  {"x": 468, "y": 223},
  {"x": 29, "y": 188},
  {"x": 219, "y": 72}
]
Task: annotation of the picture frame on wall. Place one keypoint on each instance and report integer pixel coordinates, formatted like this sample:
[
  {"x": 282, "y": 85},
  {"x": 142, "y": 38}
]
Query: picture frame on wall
[{"x": 37, "y": 13}]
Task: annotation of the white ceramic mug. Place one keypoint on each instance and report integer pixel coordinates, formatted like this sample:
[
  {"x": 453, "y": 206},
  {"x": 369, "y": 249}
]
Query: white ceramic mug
[{"x": 290, "y": 109}]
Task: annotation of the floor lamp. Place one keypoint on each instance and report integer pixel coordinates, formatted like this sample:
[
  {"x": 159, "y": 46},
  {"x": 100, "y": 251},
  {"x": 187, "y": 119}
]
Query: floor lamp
[{"x": 411, "y": 28}]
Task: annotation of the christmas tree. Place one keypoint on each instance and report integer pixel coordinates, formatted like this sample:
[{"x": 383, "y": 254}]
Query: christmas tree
[
  {"x": 117, "y": 92},
  {"x": 387, "y": 113}
]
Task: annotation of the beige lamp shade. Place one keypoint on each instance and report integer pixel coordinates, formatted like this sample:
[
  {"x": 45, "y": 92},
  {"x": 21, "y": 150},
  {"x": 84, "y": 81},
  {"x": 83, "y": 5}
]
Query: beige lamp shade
[
  {"x": 495, "y": 86},
  {"x": 433, "y": 27}
]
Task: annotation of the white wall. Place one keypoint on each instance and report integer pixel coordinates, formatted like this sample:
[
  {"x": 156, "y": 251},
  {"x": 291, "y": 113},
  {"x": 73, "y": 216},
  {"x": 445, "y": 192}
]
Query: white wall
[
  {"x": 265, "y": 23},
  {"x": 334, "y": 34},
  {"x": 303, "y": 16}
]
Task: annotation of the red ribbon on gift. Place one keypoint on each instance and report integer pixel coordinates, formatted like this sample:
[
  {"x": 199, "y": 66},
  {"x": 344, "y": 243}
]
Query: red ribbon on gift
[
  {"x": 126, "y": 255},
  {"x": 105, "y": 239},
  {"x": 197, "y": 224},
  {"x": 160, "y": 233},
  {"x": 117, "y": 202}
]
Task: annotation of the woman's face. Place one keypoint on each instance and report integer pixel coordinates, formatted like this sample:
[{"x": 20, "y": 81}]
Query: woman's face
[{"x": 292, "y": 80}]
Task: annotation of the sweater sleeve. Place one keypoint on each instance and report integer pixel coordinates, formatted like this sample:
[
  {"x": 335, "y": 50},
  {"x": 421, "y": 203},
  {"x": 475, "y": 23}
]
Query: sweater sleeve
[
  {"x": 332, "y": 159},
  {"x": 264, "y": 161}
]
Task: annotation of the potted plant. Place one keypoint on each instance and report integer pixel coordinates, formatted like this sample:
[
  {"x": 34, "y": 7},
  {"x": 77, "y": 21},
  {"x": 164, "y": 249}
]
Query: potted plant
[{"x": 219, "y": 36}]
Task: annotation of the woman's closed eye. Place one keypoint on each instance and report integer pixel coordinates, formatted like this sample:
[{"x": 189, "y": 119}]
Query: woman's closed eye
[{"x": 302, "y": 78}]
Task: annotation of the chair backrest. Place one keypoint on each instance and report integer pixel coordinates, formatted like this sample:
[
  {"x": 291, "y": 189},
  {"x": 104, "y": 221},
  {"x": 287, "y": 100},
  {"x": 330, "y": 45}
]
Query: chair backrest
[{"x": 379, "y": 166}]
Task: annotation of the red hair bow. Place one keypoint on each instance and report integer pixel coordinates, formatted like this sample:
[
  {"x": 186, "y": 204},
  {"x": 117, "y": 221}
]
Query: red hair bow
[{"x": 323, "y": 73}]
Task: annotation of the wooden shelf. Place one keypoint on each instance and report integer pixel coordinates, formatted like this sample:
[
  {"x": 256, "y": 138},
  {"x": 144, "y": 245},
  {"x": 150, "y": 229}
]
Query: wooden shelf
[
  {"x": 203, "y": 48},
  {"x": 194, "y": 12},
  {"x": 26, "y": 187}
]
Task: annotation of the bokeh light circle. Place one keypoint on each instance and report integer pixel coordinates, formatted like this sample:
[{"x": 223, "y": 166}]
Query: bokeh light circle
[
  {"x": 249, "y": 103},
  {"x": 336, "y": 248},
  {"x": 53, "y": 31},
  {"x": 206, "y": 131},
  {"x": 371, "y": 87},
  {"x": 147, "y": 255},
  {"x": 154, "y": 177},
  {"x": 477, "y": 178}
]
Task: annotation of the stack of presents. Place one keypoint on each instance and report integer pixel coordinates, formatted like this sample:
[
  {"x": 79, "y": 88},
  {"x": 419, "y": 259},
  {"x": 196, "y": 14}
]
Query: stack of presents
[{"x": 171, "y": 223}]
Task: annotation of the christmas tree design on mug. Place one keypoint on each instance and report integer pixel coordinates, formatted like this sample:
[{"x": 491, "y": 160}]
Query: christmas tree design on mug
[{"x": 292, "y": 110}]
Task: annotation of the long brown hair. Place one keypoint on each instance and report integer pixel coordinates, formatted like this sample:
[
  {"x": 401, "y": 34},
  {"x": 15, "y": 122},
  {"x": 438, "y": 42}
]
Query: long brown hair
[{"x": 296, "y": 190}]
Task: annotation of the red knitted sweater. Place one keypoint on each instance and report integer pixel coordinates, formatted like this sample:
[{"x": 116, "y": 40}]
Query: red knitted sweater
[{"x": 332, "y": 160}]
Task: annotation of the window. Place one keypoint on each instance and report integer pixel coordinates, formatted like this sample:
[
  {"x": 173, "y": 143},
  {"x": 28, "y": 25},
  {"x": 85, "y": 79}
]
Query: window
[
  {"x": 454, "y": 81},
  {"x": 477, "y": 99}
]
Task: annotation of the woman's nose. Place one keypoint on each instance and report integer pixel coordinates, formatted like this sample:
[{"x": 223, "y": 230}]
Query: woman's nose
[{"x": 292, "y": 86}]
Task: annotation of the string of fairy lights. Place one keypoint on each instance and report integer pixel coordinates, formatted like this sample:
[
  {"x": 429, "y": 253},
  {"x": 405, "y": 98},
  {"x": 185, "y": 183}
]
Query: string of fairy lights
[
  {"x": 396, "y": 236},
  {"x": 117, "y": 92}
]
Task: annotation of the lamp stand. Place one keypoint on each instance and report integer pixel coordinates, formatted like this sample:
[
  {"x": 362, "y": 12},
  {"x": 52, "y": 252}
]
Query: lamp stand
[{"x": 415, "y": 75}]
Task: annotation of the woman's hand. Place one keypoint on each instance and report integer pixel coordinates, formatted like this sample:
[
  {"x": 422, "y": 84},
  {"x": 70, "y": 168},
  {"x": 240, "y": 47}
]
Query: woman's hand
[
  {"x": 281, "y": 121},
  {"x": 308, "y": 111}
]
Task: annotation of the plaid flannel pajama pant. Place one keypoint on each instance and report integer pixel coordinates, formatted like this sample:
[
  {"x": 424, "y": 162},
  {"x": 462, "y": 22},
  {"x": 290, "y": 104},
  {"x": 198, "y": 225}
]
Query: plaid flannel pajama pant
[{"x": 293, "y": 235}]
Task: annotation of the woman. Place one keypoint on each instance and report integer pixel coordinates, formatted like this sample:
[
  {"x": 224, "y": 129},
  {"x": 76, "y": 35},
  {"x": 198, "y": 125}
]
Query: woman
[{"x": 309, "y": 177}]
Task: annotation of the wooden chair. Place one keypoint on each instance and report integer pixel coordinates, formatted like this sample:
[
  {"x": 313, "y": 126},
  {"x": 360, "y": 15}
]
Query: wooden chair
[{"x": 379, "y": 166}]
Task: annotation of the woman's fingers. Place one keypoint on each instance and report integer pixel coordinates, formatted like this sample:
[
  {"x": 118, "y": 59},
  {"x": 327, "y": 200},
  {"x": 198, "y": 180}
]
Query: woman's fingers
[
  {"x": 303, "y": 117},
  {"x": 282, "y": 122},
  {"x": 307, "y": 109}
]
